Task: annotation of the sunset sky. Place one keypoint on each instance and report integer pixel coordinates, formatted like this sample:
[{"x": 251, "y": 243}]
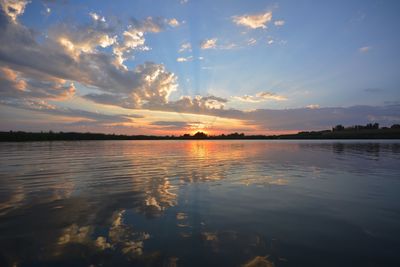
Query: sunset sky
[{"x": 180, "y": 66}]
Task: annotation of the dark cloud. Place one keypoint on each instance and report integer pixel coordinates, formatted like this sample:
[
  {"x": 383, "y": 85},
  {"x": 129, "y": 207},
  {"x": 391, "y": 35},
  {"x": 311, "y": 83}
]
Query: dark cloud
[
  {"x": 87, "y": 117},
  {"x": 172, "y": 125},
  {"x": 14, "y": 85},
  {"x": 321, "y": 118},
  {"x": 300, "y": 118}
]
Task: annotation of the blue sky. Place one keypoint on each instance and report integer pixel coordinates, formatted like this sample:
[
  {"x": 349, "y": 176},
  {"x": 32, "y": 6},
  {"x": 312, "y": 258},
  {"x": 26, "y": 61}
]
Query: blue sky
[{"x": 234, "y": 57}]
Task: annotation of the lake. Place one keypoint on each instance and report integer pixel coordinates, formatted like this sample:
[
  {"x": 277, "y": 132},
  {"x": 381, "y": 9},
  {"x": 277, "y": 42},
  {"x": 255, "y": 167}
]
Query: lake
[{"x": 200, "y": 203}]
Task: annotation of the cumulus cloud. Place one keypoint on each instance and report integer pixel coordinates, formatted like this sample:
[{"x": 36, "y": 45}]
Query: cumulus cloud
[
  {"x": 209, "y": 43},
  {"x": 84, "y": 39},
  {"x": 46, "y": 69},
  {"x": 134, "y": 37},
  {"x": 73, "y": 56},
  {"x": 185, "y": 47},
  {"x": 147, "y": 83},
  {"x": 253, "y": 21},
  {"x": 195, "y": 105},
  {"x": 279, "y": 23},
  {"x": 260, "y": 97},
  {"x": 13, "y": 8},
  {"x": 173, "y": 22}
]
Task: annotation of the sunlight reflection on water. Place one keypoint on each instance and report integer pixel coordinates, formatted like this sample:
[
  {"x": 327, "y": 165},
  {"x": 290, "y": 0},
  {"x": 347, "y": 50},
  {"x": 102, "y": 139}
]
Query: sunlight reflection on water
[{"x": 200, "y": 203}]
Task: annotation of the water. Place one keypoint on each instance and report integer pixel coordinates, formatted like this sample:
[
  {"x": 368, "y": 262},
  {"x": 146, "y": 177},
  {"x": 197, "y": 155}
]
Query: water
[{"x": 200, "y": 203}]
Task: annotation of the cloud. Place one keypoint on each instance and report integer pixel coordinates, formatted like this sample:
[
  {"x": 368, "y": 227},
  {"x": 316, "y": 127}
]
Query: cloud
[
  {"x": 134, "y": 37},
  {"x": 147, "y": 83},
  {"x": 194, "y": 105},
  {"x": 82, "y": 117},
  {"x": 320, "y": 118},
  {"x": 96, "y": 17},
  {"x": 13, "y": 8},
  {"x": 212, "y": 44},
  {"x": 313, "y": 106},
  {"x": 75, "y": 57},
  {"x": 149, "y": 24},
  {"x": 260, "y": 97},
  {"x": 172, "y": 125},
  {"x": 251, "y": 41},
  {"x": 183, "y": 2},
  {"x": 209, "y": 43},
  {"x": 84, "y": 38},
  {"x": 173, "y": 22},
  {"x": 364, "y": 49},
  {"x": 228, "y": 46},
  {"x": 254, "y": 21},
  {"x": 185, "y": 47},
  {"x": 270, "y": 120},
  {"x": 93, "y": 55},
  {"x": 184, "y": 59},
  {"x": 15, "y": 85},
  {"x": 279, "y": 23},
  {"x": 133, "y": 40}
]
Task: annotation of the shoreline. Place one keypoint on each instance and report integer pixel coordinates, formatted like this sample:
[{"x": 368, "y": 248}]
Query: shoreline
[{"x": 377, "y": 134}]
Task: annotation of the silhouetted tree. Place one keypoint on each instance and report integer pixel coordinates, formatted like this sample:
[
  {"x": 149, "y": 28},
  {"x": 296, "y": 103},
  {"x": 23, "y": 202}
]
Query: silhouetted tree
[
  {"x": 200, "y": 135},
  {"x": 338, "y": 128}
]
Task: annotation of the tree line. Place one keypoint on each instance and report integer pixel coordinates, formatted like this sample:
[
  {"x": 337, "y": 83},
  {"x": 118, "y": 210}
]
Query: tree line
[{"x": 369, "y": 131}]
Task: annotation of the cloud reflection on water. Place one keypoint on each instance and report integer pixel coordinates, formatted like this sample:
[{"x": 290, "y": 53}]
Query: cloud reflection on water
[{"x": 92, "y": 196}]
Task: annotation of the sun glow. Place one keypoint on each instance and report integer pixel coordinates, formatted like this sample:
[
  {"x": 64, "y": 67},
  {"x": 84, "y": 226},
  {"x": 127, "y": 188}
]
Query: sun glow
[
  {"x": 199, "y": 127},
  {"x": 194, "y": 131}
]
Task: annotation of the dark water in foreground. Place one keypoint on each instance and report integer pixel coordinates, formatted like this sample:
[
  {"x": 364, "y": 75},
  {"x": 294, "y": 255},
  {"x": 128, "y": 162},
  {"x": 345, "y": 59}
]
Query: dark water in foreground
[{"x": 200, "y": 203}]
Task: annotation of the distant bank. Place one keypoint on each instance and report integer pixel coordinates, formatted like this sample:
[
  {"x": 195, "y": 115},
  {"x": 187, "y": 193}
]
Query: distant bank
[{"x": 369, "y": 131}]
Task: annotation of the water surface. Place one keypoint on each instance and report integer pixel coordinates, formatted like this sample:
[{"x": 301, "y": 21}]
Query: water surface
[{"x": 200, "y": 203}]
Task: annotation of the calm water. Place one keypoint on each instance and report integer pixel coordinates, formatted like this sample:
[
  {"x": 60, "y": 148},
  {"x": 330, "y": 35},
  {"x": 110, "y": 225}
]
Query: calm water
[{"x": 200, "y": 203}]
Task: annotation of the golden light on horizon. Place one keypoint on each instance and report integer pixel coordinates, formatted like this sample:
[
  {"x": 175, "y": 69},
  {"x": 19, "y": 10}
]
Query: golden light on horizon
[
  {"x": 194, "y": 131},
  {"x": 199, "y": 127}
]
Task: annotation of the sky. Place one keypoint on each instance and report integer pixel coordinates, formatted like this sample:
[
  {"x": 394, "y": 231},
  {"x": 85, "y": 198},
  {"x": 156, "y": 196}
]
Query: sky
[{"x": 181, "y": 66}]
